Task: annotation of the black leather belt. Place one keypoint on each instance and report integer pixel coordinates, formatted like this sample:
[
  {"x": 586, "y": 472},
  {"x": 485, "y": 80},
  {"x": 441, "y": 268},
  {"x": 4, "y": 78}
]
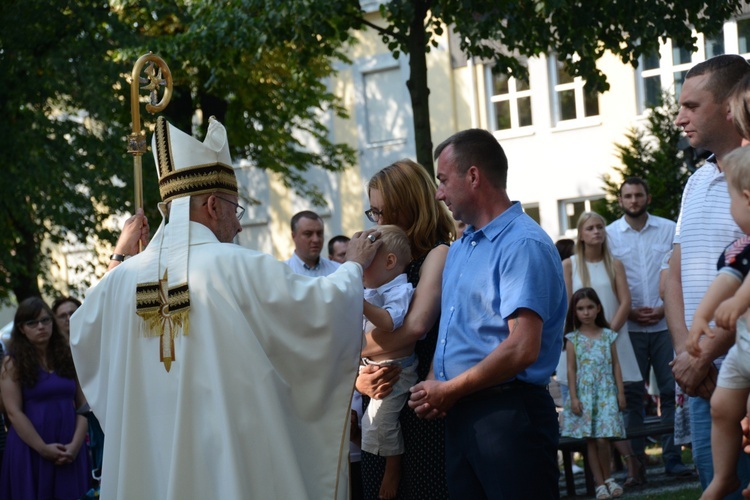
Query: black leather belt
[{"x": 496, "y": 390}]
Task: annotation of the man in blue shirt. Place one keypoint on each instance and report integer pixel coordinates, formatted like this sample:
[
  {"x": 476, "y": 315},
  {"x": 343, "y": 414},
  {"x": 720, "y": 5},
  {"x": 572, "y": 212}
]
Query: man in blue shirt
[{"x": 502, "y": 315}]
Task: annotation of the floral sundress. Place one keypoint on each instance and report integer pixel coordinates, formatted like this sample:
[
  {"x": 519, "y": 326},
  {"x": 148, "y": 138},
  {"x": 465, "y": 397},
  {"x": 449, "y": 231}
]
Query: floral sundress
[{"x": 596, "y": 389}]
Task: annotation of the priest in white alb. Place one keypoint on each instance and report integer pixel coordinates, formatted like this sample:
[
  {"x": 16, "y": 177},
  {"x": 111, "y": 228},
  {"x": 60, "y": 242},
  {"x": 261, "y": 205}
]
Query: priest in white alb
[{"x": 214, "y": 370}]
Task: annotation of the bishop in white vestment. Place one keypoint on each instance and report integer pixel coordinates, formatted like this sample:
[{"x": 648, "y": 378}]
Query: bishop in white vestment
[{"x": 227, "y": 375}]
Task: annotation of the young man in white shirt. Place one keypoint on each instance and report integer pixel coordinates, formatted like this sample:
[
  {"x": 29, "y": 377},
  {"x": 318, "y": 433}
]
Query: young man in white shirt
[{"x": 642, "y": 241}]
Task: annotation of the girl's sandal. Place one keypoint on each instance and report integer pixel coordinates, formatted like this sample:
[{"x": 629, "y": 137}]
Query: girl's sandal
[
  {"x": 614, "y": 489},
  {"x": 602, "y": 493}
]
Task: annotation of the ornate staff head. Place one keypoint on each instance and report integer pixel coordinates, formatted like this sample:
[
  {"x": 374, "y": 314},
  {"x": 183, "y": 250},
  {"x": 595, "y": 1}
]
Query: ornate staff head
[{"x": 157, "y": 77}]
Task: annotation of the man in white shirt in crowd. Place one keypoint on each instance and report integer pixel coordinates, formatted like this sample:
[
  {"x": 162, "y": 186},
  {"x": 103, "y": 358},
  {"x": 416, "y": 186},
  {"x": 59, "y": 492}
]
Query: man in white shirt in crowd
[
  {"x": 641, "y": 241},
  {"x": 308, "y": 236},
  {"x": 705, "y": 227}
]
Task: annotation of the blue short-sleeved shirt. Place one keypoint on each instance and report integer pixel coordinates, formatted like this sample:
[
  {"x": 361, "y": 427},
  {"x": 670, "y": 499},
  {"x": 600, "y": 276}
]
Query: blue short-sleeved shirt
[{"x": 489, "y": 274}]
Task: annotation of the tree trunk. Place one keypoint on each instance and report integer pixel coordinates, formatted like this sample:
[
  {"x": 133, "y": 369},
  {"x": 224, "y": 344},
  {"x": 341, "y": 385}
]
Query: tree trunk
[
  {"x": 418, "y": 89},
  {"x": 26, "y": 275}
]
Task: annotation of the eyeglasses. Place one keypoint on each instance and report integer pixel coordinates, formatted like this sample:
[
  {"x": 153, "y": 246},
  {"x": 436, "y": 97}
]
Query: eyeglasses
[
  {"x": 374, "y": 214},
  {"x": 33, "y": 323},
  {"x": 239, "y": 209}
]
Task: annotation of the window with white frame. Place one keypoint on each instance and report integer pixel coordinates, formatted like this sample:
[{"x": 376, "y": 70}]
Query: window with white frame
[
  {"x": 510, "y": 101},
  {"x": 571, "y": 101},
  {"x": 741, "y": 34},
  {"x": 571, "y": 210},
  {"x": 665, "y": 70}
]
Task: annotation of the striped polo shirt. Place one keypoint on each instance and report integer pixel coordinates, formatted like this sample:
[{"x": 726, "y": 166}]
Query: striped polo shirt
[{"x": 705, "y": 227}]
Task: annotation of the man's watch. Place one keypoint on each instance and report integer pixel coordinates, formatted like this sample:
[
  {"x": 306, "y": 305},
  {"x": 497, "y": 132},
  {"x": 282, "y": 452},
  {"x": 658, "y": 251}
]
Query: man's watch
[{"x": 119, "y": 257}]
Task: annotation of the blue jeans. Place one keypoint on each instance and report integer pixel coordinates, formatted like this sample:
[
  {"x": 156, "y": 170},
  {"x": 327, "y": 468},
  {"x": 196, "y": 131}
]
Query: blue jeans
[{"x": 700, "y": 430}]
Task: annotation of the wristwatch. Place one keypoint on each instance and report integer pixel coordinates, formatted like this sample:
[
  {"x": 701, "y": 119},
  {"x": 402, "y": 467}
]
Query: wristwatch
[{"x": 119, "y": 257}]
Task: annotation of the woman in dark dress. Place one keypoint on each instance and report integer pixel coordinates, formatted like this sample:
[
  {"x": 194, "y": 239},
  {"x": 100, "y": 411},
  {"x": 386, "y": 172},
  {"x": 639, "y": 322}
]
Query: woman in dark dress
[
  {"x": 40, "y": 391},
  {"x": 404, "y": 194}
]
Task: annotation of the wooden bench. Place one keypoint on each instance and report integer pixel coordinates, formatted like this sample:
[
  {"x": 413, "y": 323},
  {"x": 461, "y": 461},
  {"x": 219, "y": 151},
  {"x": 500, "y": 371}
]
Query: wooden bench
[{"x": 652, "y": 426}]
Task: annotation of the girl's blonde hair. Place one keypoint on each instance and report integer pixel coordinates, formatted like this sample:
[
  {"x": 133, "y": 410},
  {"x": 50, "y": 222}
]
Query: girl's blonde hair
[
  {"x": 583, "y": 270},
  {"x": 409, "y": 200}
]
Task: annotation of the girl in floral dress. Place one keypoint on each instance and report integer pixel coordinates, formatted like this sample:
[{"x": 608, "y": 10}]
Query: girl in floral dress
[{"x": 596, "y": 389}]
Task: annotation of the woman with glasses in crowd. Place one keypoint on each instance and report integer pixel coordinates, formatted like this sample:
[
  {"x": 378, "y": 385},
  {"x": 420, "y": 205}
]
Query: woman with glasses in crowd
[
  {"x": 63, "y": 308},
  {"x": 404, "y": 194},
  {"x": 44, "y": 453}
]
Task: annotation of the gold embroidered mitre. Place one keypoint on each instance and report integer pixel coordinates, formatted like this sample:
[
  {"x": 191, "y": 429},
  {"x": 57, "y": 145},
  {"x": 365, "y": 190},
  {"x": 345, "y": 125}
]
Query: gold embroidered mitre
[{"x": 185, "y": 167}]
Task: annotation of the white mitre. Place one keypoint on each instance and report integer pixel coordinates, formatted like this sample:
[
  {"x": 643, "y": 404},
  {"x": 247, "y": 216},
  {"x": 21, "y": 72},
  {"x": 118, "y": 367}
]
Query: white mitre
[{"x": 185, "y": 167}]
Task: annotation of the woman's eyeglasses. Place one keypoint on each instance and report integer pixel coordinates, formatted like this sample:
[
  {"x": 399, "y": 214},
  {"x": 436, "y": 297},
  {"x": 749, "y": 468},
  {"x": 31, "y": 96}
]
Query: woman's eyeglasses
[
  {"x": 33, "y": 323},
  {"x": 374, "y": 214}
]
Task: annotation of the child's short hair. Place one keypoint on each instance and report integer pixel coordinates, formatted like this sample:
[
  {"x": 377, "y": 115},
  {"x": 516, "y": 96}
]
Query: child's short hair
[
  {"x": 395, "y": 241},
  {"x": 737, "y": 168}
]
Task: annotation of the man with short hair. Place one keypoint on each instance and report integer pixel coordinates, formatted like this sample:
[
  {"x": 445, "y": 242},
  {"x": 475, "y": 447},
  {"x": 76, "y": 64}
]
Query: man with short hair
[
  {"x": 502, "y": 313},
  {"x": 704, "y": 228},
  {"x": 308, "y": 236},
  {"x": 215, "y": 371},
  {"x": 642, "y": 241},
  {"x": 337, "y": 248}
]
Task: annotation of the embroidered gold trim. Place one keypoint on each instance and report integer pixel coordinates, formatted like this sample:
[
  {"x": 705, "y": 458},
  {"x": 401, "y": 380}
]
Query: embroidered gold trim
[
  {"x": 165, "y": 313},
  {"x": 197, "y": 180},
  {"x": 163, "y": 147}
]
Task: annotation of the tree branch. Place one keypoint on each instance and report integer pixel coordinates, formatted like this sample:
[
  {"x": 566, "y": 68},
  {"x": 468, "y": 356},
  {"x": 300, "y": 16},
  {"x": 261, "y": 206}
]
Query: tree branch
[{"x": 383, "y": 31}]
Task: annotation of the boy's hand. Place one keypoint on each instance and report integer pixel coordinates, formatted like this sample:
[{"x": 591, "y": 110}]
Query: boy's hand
[
  {"x": 729, "y": 312},
  {"x": 700, "y": 327}
]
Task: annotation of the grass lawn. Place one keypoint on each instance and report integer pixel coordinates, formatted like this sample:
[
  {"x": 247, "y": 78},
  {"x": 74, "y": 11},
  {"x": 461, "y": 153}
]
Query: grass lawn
[{"x": 686, "y": 494}]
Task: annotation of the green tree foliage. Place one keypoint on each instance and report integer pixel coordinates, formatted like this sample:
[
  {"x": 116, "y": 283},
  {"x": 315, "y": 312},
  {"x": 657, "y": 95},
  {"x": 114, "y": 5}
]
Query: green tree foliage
[
  {"x": 652, "y": 153},
  {"x": 58, "y": 108},
  {"x": 65, "y": 104},
  {"x": 259, "y": 72},
  {"x": 579, "y": 32}
]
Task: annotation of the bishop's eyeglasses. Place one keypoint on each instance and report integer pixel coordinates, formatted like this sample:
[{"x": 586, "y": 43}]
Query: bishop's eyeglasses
[{"x": 239, "y": 209}]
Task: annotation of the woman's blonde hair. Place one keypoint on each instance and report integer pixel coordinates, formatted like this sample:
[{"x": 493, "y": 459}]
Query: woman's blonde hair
[
  {"x": 583, "y": 270},
  {"x": 409, "y": 201}
]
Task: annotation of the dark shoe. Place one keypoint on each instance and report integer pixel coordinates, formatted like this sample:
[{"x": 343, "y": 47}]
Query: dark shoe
[
  {"x": 679, "y": 470},
  {"x": 632, "y": 482},
  {"x": 642, "y": 463}
]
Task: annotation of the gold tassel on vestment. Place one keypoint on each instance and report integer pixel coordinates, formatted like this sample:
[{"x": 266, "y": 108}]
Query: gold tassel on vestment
[{"x": 165, "y": 313}]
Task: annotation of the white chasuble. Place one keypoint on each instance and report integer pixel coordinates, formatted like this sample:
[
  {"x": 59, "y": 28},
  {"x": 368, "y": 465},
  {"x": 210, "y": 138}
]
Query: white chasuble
[{"x": 256, "y": 402}]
